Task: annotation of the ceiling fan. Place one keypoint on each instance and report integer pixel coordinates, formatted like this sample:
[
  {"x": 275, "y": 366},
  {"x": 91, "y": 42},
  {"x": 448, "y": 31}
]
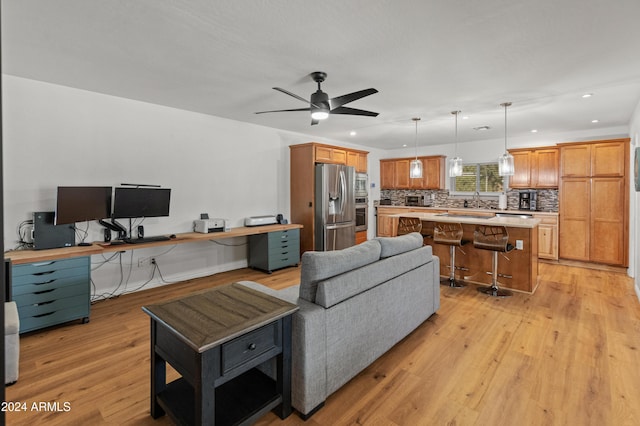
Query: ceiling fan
[{"x": 321, "y": 106}]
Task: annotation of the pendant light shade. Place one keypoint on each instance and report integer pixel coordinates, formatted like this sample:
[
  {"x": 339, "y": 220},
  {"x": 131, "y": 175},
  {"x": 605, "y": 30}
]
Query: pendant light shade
[
  {"x": 505, "y": 162},
  {"x": 415, "y": 168},
  {"x": 455, "y": 164}
]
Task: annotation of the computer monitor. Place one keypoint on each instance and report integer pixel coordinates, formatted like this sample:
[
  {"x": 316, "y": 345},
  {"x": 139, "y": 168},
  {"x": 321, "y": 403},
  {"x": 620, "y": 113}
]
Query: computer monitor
[
  {"x": 141, "y": 202},
  {"x": 82, "y": 203}
]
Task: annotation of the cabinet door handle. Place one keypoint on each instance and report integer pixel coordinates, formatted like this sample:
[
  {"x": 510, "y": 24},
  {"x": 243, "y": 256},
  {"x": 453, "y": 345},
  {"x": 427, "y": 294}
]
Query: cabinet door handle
[{"x": 251, "y": 347}]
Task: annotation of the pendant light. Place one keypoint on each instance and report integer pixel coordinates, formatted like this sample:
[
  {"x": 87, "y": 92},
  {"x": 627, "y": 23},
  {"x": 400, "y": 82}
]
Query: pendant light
[
  {"x": 415, "y": 168},
  {"x": 505, "y": 162},
  {"x": 455, "y": 164}
]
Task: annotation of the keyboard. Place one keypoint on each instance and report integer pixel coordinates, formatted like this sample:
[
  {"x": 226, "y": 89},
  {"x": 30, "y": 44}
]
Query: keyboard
[{"x": 146, "y": 239}]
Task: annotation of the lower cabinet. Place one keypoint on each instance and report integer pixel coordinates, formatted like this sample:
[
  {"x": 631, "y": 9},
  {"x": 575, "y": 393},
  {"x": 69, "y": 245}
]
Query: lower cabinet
[
  {"x": 52, "y": 292},
  {"x": 274, "y": 250},
  {"x": 547, "y": 236}
]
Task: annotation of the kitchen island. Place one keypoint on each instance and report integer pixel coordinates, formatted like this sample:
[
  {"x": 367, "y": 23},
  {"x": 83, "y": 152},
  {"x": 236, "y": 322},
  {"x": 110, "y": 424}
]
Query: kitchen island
[{"x": 517, "y": 270}]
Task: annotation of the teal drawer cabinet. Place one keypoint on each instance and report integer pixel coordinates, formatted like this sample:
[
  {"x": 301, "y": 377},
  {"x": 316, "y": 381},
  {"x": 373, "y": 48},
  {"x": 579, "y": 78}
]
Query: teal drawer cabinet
[
  {"x": 274, "y": 250},
  {"x": 52, "y": 292}
]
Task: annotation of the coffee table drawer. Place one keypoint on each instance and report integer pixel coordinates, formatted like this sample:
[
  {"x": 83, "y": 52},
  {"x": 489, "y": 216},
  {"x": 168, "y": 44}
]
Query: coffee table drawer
[{"x": 249, "y": 346}]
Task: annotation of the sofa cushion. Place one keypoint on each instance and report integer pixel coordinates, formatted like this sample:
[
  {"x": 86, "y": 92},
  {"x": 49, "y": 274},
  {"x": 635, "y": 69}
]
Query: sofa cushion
[
  {"x": 391, "y": 246},
  {"x": 320, "y": 265},
  {"x": 345, "y": 286}
]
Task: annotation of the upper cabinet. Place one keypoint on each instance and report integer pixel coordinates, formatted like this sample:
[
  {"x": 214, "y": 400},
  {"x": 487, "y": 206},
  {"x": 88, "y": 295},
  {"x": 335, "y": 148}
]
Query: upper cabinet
[
  {"x": 394, "y": 173},
  {"x": 535, "y": 168},
  {"x": 600, "y": 159},
  {"x": 338, "y": 155}
]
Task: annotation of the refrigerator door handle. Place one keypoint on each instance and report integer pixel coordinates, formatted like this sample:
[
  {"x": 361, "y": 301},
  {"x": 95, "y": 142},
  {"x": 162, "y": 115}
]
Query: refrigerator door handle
[
  {"x": 339, "y": 226},
  {"x": 343, "y": 191}
]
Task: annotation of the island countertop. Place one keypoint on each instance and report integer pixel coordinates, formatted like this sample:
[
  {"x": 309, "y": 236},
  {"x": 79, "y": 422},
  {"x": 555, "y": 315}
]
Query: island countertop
[{"x": 512, "y": 222}]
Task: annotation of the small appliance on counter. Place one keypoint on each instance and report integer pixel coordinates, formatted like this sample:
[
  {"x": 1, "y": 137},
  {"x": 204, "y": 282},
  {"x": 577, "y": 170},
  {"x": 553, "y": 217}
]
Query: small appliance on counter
[
  {"x": 385, "y": 202},
  {"x": 206, "y": 226},
  {"x": 261, "y": 220},
  {"x": 528, "y": 200},
  {"x": 414, "y": 200}
]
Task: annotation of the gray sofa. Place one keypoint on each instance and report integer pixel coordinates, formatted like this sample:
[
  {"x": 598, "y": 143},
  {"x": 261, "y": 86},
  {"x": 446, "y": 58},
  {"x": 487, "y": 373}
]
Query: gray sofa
[{"x": 355, "y": 304}]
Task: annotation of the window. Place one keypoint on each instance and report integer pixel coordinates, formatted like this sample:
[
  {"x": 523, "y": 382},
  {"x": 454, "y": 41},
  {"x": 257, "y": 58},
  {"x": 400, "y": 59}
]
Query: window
[{"x": 482, "y": 178}]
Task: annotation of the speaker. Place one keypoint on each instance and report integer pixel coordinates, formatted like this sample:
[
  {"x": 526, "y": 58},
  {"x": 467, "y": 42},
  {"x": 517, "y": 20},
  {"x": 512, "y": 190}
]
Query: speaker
[
  {"x": 46, "y": 235},
  {"x": 140, "y": 231},
  {"x": 107, "y": 235}
]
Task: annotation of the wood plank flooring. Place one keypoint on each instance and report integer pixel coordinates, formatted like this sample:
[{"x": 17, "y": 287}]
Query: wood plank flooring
[{"x": 567, "y": 355}]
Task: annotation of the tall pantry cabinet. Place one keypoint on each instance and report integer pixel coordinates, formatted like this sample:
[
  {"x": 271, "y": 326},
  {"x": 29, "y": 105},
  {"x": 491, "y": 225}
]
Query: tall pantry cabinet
[{"x": 594, "y": 201}]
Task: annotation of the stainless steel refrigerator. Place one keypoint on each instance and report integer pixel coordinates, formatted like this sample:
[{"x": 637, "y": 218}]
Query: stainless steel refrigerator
[{"x": 335, "y": 207}]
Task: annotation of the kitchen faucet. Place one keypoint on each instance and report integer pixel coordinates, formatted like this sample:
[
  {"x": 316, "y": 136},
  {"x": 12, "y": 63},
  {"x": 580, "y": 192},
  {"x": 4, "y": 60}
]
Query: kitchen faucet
[{"x": 476, "y": 198}]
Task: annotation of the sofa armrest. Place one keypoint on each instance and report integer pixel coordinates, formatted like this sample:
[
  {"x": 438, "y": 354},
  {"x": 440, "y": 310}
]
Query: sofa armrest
[
  {"x": 309, "y": 355},
  {"x": 436, "y": 281}
]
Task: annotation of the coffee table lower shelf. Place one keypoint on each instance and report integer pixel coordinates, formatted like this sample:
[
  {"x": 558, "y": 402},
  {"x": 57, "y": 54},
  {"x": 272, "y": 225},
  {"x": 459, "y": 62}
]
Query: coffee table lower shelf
[{"x": 242, "y": 400}]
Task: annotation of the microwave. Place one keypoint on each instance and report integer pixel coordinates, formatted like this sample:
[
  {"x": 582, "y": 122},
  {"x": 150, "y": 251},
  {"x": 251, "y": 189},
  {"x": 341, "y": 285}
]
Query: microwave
[
  {"x": 414, "y": 200},
  {"x": 361, "y": 185}
]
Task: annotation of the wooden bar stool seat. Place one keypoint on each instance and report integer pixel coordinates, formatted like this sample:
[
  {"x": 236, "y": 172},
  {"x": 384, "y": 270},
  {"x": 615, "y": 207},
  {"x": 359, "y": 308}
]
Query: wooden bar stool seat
[
  {"x": 450, "y": 234},
  {"x": 407, "y": 225},
  {"x": 496, "y": 239}
]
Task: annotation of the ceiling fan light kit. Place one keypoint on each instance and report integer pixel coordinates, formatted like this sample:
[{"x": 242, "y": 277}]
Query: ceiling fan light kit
[
  {"x": 320, "y": 106},
  {"x": 506, "y": 166},
  {"x": 415, "y": 167}
]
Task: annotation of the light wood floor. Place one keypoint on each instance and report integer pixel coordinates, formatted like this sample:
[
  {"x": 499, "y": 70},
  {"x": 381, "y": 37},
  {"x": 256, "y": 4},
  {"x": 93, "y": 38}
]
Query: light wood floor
[{"x": 568, "y": 355}]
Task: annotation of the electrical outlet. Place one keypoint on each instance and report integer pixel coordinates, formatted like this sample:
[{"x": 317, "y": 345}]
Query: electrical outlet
[
  {"x": 519, "y": 245},
  {"x": 144, "y": 261}
]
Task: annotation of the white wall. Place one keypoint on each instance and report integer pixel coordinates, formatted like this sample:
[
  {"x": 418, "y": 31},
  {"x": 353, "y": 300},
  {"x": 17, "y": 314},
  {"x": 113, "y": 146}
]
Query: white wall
[
  {"x": 634, "y": 202},
  {"x": 61, "y": 136}
]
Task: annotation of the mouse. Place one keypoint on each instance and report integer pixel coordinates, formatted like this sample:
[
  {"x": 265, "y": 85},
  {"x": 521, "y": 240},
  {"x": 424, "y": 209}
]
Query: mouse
[{"x": 172, "y": 236}]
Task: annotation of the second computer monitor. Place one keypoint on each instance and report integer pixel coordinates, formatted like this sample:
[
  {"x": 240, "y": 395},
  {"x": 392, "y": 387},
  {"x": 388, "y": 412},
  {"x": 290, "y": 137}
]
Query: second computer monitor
[{"x": 141, "y": 202}]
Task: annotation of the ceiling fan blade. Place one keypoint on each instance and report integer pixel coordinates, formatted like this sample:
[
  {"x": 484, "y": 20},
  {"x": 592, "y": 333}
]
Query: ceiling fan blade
[
  {"x": 286, "y": 92},
  {"x": 345, "y": 99},
  {"x": 284, "y": 110},
  {"x": 353, "y": 111}
]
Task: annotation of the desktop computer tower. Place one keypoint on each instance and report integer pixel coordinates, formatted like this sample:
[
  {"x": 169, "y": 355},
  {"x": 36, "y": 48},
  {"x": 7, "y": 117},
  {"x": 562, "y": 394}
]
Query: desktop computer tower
[{"x": 46, "y": 235}]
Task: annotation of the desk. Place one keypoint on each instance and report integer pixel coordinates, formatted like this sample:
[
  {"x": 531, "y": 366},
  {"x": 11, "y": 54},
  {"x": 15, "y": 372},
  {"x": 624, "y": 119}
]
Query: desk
[
  {"x": 30, "y": 256},
  {"x": 56, "y": 289},
  {"x": 215, "y": 340}
]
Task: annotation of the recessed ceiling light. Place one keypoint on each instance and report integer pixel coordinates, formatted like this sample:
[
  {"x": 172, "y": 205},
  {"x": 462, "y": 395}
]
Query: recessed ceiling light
[
  {"x": 595, "y": 121},
  {"x": 482, "y": 128},
  {"x": 353, "y": 133},
  {"x": 534, "y": 131},
  {"x": 466, "y": 117},
  {"x": 587, "y": 95},
  {"x": 404, "y": 145}
]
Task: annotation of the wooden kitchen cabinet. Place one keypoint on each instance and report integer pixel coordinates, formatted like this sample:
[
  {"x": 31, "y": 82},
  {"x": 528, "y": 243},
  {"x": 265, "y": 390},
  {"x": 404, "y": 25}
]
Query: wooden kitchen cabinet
[
  {"x": 357, "y": 160},
  {"x": 303, "y": 158},
  {"x": 394, "y": 173},
  {"x": 325, "y": 154},
  {"x": 594, "y": 209},
  {"x": 547, "y": 236},
  {"x": 534, "y": 168}
]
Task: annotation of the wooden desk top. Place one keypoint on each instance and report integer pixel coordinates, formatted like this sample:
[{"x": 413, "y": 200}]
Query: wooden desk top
[
  {"x": 30, "y": 256},
  {"x": 207, "y": 319}
]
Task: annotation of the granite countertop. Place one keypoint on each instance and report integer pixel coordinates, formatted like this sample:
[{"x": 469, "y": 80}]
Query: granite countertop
[
  {"x": 513, "y": 222},
  {"x": 462, "y": 210}
]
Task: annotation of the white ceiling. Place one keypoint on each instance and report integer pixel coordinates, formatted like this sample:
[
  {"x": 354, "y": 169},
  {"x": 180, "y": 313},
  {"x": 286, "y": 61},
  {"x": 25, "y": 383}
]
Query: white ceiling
[{"x": 426, "y": 58}]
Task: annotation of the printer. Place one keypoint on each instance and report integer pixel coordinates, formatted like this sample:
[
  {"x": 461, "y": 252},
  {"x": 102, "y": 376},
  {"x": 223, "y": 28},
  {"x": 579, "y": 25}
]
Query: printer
[{"x": 206, "y": 226}]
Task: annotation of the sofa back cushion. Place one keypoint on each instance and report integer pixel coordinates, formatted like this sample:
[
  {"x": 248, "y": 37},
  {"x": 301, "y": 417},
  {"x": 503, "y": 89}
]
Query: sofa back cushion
[
  {"x": 320, "y": 265},
  {"x": 337, "y": 289},
  {"x": 391, "y": 246}
]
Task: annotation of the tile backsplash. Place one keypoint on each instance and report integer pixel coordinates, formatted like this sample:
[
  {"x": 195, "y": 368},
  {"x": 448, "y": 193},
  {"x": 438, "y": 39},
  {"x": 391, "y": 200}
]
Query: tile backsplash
[{"x": 547, "y": 199}]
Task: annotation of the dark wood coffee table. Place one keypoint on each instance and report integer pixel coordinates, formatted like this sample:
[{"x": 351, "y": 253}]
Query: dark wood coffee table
[{"x": 215, "y": 340}]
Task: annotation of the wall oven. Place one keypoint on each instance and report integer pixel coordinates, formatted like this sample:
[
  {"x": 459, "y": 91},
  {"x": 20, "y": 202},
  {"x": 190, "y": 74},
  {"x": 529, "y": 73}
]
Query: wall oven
[
  {"x": 361, "y": 185},
  {"x": 362, "y": 213}
]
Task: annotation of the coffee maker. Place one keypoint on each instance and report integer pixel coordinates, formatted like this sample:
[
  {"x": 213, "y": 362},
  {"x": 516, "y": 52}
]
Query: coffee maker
[{"x": 528, "y": 200}]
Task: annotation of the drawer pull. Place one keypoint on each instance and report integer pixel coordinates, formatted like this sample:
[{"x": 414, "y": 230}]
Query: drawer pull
[
  {"x": 44, "y": 303},
  {"x": 44, "y": 315},
  {"x": 251, "y": 347},
  {"x": 43, "y": 263},
  {"x": 44, "y": 291},
  {"x": 44, "y": 282},
  {"x": 44, "y": 273}
]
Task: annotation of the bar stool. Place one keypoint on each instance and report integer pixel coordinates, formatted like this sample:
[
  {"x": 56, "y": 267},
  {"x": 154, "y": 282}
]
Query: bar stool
[
  {"x": 407, "y": 225},
  {"x": 449, "y": 234},
  {"x": 496, "y": 239}
]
